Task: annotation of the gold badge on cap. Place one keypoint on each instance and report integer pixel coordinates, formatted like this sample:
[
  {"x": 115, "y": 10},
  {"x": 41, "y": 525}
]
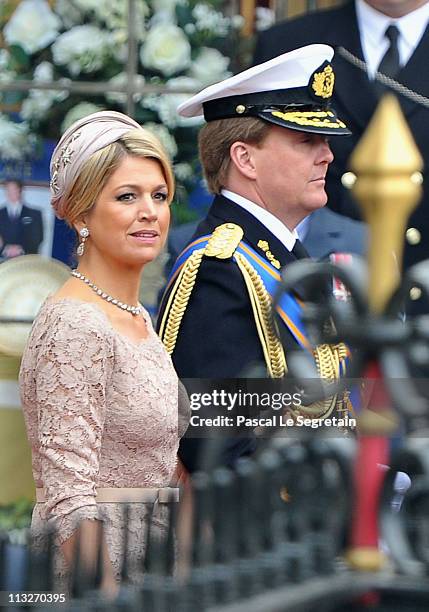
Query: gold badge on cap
[{"x": 323, "y": 82}]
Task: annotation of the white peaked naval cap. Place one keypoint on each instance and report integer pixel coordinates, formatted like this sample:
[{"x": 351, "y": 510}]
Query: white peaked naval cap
[{"x": 292, "y": 90}]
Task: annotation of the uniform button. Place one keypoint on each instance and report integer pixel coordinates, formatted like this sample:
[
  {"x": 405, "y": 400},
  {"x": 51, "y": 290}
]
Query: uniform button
[
  {"x": 348, "y": 180},
  {"x": 415, "y": 293},
  {"x": 413, "y": 236}
]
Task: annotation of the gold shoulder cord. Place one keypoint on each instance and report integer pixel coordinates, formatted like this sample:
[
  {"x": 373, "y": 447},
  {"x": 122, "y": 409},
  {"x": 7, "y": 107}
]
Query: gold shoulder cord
[
  {"x": 178, "y": 301},
  {"x": 327, "y": 358},
  {"x": 222, "y": 244},
  {"x": 262, "y": 311}
]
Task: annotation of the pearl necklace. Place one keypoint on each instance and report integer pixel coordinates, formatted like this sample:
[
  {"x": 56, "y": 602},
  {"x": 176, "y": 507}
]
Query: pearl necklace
[{"x": 134, "y": 310}]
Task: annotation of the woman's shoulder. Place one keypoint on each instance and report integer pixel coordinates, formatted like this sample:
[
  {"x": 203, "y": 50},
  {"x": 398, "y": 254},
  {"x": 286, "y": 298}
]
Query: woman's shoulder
[{"x": 70, "y": 316}]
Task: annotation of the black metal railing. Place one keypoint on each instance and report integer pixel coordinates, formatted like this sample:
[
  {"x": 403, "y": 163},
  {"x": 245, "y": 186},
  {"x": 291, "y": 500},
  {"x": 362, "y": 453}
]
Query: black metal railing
[{"x": 268, "y": 536}]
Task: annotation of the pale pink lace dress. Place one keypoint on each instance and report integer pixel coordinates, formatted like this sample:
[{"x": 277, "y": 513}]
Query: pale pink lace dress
[{"x": 101, "y": 411}]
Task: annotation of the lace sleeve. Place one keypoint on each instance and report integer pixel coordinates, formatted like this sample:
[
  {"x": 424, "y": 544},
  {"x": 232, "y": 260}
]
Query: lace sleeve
[
  {"x": 184, "y": 409},
  {"x": 71, "y": 376}
]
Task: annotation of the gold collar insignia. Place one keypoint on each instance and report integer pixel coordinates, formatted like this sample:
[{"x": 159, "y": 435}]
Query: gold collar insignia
[{"x": 265, "y": 247}]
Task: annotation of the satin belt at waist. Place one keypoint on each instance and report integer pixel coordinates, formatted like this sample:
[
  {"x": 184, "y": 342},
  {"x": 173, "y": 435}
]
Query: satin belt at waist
[{"x": 127, "y": 495}]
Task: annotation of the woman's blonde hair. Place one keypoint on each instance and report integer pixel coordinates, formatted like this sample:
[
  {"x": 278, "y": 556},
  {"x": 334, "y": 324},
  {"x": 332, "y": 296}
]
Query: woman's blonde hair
[
  {"x": 215, "y": 140},
  {"x": 97, "y": 170}
]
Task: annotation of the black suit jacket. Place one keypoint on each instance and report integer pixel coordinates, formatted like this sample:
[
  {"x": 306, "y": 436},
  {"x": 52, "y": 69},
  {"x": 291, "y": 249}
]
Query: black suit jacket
[
  {"x": 329, "y": 232},
  {"x": 355, "y": 100},
  {"x": 26, "y": 231}
]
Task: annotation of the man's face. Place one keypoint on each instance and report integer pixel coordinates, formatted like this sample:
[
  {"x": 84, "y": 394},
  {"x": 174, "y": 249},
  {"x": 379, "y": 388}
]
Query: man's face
[
  {"x": 396, "y": 8},
  {"x": 291, "y": 167},
  {"x": 13, "y": 192}
]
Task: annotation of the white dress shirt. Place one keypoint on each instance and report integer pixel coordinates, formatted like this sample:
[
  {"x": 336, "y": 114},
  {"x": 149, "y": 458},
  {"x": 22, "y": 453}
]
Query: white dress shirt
[
  {"x": 372, "y": 27},
  {"x": 274, "y": 225},
  {"x": 14, "y": 210}
]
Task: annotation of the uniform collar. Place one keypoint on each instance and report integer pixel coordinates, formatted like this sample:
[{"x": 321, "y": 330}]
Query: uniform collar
[{"x": 274, "y": 225}]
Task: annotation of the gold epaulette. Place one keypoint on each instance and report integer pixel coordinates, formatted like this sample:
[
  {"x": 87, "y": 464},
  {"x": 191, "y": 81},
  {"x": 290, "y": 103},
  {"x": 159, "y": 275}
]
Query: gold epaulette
[
  {"x": 222, "y": 245},
  {"x": 224, "y": 241}
]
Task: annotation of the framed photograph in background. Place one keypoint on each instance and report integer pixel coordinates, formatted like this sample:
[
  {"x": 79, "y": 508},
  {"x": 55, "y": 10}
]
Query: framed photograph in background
[{"x": 37, "y": 198}]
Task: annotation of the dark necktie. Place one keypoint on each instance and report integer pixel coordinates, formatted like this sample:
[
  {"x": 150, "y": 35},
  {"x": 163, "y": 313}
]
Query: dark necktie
[
  {"x": 389, "y": 64},
  {"x": 299, "y": 251},
  {"x": 13, "y": 216}
]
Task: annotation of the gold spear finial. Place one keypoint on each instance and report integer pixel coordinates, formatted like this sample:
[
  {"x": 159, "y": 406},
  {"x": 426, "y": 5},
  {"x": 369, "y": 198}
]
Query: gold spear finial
[{"x": 387, "y": 164}]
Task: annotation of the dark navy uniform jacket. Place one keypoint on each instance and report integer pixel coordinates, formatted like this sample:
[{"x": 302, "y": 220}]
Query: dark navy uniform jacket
[{"x": 218, "y": 336}]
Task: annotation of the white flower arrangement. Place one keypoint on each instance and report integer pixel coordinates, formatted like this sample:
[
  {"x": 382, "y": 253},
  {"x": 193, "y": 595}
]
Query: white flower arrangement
[
  {"x": 183, "y": 171},
  {"x": 84, "y": 48},
  {"x": 69, "y": 13},
  {"x": 166, "y": 104},
  {"x": 110, "y": 14},
  {"x": 121, "y": 80},
  {"x": 166, "y": 49},
  {"x": 6, "y": 74},
  {"x": 210, "y": 66},
  {"x": 206, "y": 18},
  {"x": 78, "y": 112},
  {"x": 182, "y": 45},
  {"x": 4, "y": 59},
  {"x": 166, "y": 138},
  {"x": 36, "y": 106},
  {"x": 39, "y": 101},
  {"x": 15, "y": 139},
  {"x": 33, "y": 26},
  {"x": 265, "y": 18}
]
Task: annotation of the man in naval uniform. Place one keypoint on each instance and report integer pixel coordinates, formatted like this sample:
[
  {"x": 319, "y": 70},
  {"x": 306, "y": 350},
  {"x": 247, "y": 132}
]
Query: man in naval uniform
[{"x": 265, "y": 154}]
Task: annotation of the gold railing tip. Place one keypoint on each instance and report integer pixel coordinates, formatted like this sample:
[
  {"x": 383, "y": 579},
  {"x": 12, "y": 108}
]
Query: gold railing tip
[{"x": 387, "y": 163}]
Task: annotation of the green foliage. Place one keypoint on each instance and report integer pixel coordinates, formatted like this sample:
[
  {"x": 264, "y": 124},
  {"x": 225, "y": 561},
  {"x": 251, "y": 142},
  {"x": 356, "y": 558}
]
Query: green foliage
[
  {"x": 20, "y": 61},
  {"x": 16, "y": 515},
  {"x": 6, "y": 9}
]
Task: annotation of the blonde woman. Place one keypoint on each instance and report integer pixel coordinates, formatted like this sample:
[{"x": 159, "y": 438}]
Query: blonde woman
[{"x": 99, "y": 392}]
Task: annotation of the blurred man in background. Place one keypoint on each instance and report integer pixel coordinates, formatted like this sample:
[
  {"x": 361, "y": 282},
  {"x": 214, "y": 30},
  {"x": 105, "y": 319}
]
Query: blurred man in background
[{"x": 21, "y": 227}]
